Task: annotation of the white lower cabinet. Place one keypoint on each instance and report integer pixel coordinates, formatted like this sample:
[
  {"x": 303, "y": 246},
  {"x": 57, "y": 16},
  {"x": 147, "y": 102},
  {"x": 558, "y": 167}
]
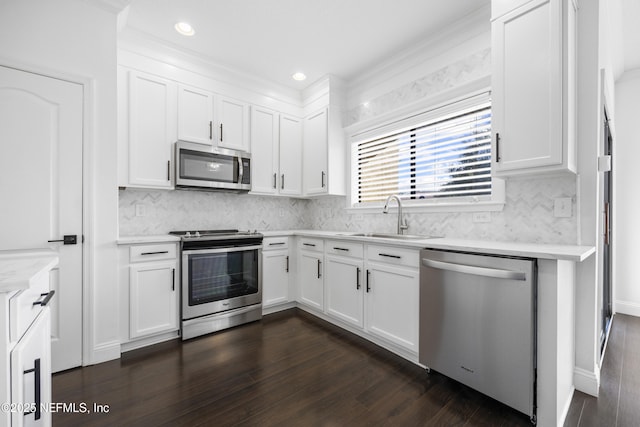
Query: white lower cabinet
[
  {"x": 373, "y": 288},
  {"x": 344, "y": 282},
  {"x": 153, "y": 297},
  {"x": 150, "y": 293},
  {"x": 310, "y": 273},
  {"x": 31, "y": 374},
  {"x": 275, "y": 271},
  {"x": 392, "y": 295}
]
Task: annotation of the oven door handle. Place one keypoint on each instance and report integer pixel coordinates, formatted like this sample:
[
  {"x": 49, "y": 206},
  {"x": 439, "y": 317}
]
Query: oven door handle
[{"x": 221, "y": 250}]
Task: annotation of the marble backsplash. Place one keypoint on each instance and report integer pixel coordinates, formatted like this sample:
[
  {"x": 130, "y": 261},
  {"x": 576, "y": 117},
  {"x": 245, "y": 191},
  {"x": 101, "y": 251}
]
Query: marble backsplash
[
  {"x": 527, "y": 215},
  {"x": 166, "y": 211}
]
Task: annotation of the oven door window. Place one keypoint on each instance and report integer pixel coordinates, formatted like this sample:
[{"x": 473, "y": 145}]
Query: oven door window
[
  {"x": 222, "y": 275},
  {"x": 208, "y": 167}
]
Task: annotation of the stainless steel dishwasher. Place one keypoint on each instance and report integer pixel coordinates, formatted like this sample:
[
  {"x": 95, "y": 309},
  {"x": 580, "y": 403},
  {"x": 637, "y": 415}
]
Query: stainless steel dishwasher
[{"x": 478, "y": 323}]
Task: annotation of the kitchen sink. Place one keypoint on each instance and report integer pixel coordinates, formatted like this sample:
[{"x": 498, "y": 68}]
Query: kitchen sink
[{"x": 393, "y": 236}]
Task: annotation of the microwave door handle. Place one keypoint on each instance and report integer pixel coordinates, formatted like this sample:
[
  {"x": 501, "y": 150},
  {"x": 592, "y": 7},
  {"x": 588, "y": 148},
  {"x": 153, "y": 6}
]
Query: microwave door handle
[{"x": 240, "y": 169}]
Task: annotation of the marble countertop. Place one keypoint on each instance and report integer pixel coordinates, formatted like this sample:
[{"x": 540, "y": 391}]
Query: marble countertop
[
  {"x": 18, "y": 270},
  {"x": 531, "y": 250}
]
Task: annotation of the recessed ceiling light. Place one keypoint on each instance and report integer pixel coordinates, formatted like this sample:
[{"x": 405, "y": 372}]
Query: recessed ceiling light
[
  {"x": 299, "y": 77},
  {"x": 184, "y": 28}
]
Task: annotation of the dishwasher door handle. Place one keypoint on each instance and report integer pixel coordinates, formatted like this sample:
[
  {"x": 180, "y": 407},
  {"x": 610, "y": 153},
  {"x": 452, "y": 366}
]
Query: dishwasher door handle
[{"x": 472, "y": 269}]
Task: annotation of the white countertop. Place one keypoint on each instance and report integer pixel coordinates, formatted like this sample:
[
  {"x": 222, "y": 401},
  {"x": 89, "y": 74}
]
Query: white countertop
[
  {"x": 18, "y": 270},
  {"x": 530, "y": 250},
  {"x": 159, "y": 238}
]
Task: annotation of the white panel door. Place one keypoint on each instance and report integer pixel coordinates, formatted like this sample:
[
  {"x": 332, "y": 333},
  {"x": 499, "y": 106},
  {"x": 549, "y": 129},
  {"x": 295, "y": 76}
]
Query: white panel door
[
  {"x": 290, "y": 156},
  {"x": 310, "y": 281},
  {"x": 391, "y": 295},
  {"x": 527, "y": 87},
  {"x": 41, "y": 190},
  {"x": 195, "y": 115},
  {"x": 153, "y": 298},
  {"x": 315, "y": 153},
  {"x": 152, "y": 130},
  {"x": 344, "y": 291},
  {"x": 233, "y": 124},
  {"x": 264, "y": 151},
  {"x": 275, "y": 277}
]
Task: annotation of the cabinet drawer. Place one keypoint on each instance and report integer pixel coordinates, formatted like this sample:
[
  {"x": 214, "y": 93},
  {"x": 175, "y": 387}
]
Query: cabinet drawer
[
  {"x": 394, "y": 255},
  {"x": 152, "y": 252},
  {"x": 311, "y": 244},
  {"x": 25, "y": 306},
  {"x": 272, "y": 243},
  {"x": 350, "y": 249}
]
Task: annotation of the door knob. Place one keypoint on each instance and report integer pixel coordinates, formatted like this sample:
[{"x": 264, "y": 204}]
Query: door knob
[{"x": 67, "y": 239}]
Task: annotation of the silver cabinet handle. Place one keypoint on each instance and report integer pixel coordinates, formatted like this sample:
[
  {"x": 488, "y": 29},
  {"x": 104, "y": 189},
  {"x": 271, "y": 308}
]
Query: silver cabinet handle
[
  {"x": 472, "y": 269},
  {"x": 154, "y": 253},
  {"x": 341, "y": 249},
  {"x": 275, "y": 177},
  {"x": 319, "y": 264},
  {"x": 282, "y": 182},
  {"x": 210, "y": 129},
  {"x": 168, "y": 170},
  {"x": 287, "y": 269},
  {"x": 357, "y": 277},
  {"x": 497, "y": 147},
  {"x": 391, "y": 256},
  {"x": 220, "y": 132},
  {"x": 322, "y": 179}
]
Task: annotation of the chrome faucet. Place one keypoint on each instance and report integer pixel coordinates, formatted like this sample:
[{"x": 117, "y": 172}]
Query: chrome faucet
[{"x": 402, "y": 223}]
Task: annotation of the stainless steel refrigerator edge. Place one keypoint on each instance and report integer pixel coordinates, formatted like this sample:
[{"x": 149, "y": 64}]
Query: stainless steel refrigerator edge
[{"x": 478, "y": 323}]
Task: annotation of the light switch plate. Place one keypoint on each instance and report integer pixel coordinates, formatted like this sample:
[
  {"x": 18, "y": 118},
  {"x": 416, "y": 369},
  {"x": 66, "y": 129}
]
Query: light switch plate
[{"x": 562, "y": 207}]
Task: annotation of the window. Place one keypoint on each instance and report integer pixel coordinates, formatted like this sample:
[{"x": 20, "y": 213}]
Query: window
[{"x": 445, "y": 157}]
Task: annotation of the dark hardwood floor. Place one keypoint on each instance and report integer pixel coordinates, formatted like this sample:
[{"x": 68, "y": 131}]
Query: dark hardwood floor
[
  {"x": 290, "y": 369},
  {"x": 618, "y": 404}
]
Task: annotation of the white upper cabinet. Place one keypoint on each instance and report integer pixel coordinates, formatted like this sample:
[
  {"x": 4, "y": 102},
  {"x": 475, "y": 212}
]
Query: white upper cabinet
[
  {"x": 195, "y": 115},
  {"x": 290, "y": 155},
  {"x": 533, "y": 86},
  {"x": 151, "y": 131},
  {"x": 232, "y": 124},
  {"x": 276, "y": 147},
  {"x": 315, "y": 153},
  {"x": 264, "y": 149},
  {"x": 324, "y": 150}
]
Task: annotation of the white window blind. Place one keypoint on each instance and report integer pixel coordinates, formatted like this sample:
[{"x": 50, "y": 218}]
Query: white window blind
[{"x": 446, "y": 157}]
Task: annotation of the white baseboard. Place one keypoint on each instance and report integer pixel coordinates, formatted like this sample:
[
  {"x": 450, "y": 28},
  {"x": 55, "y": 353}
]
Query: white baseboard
[
  {"x": 627, "y": 307},
  {"x": 586, "y": 381}
]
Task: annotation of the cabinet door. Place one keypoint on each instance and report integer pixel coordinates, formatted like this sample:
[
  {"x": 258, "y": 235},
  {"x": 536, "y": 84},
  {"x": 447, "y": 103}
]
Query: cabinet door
[
  {"x": 232, "y": 124},
  {"x": 392, "y": 304},
  {"x": 344, "y": 290},
  {"x": 275, "y": 277},
  {"x": 31, "y": 373},
  {"x": 264, "y": 149},
  {"x": 290, "y": 156},
  {"x": 310, "y": 281},
  {"x": 152, "y": 130},
  {"x": 527, "y": 87},
  {"x": 153, "y": 297},
  {"x": 195, "y": 115},
  {"x": 315, "y": 153}
]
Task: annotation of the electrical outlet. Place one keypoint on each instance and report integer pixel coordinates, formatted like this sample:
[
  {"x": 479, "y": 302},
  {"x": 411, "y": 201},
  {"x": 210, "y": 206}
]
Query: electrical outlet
[
  {"x": 562, "y": 207},
  {"x": 482, "y": 217},
  {"x": 141, "y": 210}
]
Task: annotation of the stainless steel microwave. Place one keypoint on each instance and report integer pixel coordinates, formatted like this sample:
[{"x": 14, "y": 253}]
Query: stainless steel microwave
[{"x": 203, "y": 167}]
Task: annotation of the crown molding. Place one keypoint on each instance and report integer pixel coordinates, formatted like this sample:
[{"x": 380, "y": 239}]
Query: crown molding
[{"x": 111, "y": 6}]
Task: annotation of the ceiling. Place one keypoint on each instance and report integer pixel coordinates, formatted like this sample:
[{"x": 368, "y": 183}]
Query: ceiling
[{"x": 274, "y": 39}]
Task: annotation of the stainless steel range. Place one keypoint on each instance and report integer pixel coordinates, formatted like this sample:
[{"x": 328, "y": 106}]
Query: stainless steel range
[{"x": 221, "y": 279}]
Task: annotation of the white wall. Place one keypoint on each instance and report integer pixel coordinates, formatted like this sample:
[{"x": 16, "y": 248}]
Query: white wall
[
  {"x": 627, "y": 205},
  {"x": 76, "y": 40}
]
